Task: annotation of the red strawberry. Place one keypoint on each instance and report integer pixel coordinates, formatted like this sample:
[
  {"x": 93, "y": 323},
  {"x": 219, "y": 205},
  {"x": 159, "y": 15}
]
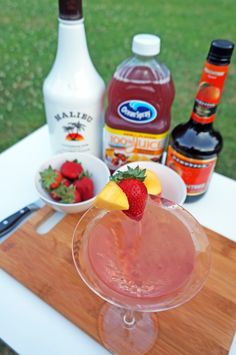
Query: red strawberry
[
  {"x": 66, "y": 194},
  {"x": 69, "y": 194},
  {"x": 136, "y": 193},
  {"x": 85, "y": 187},
  {"x": 55, "y": 196},
  {"x": 66, "y": 182},
  {"x": 131, "y": 182},
  {"x": 71, "y": 169},
  {"x": 77, "y": 196},
  {"x": 51, "y": 178}
]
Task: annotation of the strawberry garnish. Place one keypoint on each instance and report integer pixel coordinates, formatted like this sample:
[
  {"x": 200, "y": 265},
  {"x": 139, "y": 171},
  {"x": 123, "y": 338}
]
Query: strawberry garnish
[
  {"x": 85, "y": 187},
  {"x": 131, "y": 182},
  {"x": 51, "y": 178},
  {"x": 71, "y": 169}
]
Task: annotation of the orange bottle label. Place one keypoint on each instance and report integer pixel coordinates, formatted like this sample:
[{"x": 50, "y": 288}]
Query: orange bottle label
[
  {"x": 209, "y": 93},
  {"x": 121, "y": 146},
  {"x": 196, "y": 173}
]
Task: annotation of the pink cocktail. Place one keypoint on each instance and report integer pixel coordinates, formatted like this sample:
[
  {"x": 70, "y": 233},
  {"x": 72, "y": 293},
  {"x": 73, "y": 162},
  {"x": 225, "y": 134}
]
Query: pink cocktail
[{"x": 155, "y": 264}]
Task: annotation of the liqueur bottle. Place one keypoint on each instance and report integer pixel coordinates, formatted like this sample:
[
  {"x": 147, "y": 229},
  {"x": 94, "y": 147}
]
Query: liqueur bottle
[
  {"x": 194, "y": 146},
  {"x": 73, "y": 90}
]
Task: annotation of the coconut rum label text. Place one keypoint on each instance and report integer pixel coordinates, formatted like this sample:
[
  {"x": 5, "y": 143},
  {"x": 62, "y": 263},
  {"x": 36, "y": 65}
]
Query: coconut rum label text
[{"x": 75, "y": 130}]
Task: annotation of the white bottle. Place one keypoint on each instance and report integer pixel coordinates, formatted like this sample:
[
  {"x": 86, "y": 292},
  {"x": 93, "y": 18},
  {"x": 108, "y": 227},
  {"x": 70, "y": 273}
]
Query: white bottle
[{"x": 73, "y": 91}]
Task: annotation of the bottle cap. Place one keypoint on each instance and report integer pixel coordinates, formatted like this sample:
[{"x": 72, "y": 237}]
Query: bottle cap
[
  {"x": 220, "y": 51},
  {"x": 146, "y": 44},
  {"x": 70, "y": 9}
]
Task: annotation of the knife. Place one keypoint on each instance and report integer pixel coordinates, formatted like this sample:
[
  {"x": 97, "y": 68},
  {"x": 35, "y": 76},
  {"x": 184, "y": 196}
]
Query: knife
[{"x": 11, "y": 222}]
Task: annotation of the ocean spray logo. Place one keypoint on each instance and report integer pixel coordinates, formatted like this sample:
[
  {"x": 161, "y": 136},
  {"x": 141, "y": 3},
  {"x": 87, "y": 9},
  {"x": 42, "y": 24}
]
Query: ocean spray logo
[{"x": 137, "y": 111}]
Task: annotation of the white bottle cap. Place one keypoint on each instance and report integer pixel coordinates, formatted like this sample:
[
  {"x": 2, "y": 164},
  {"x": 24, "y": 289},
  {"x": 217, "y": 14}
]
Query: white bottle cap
[{"x": 146, "y": 44}]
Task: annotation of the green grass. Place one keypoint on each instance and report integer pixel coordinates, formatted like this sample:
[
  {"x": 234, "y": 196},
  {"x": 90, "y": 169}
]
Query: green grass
[{"x": 28, "y": 44}]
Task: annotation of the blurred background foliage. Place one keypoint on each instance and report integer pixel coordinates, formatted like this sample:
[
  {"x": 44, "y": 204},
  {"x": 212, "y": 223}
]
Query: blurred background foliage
[{"x": 28, "y": 44}]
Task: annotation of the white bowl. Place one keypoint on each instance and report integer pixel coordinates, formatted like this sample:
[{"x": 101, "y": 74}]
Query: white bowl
[
  {"x": 173, "y": 186},
  {"x": 97, "y": 168}
]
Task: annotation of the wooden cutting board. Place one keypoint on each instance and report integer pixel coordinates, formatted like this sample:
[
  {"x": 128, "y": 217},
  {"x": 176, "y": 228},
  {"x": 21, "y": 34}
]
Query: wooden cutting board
[{"x": 43, "y": 263}]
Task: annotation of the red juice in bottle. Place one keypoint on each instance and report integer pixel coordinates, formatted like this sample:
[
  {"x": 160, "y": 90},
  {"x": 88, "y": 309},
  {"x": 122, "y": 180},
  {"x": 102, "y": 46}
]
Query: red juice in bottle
[{"x": 140, "y": 96}]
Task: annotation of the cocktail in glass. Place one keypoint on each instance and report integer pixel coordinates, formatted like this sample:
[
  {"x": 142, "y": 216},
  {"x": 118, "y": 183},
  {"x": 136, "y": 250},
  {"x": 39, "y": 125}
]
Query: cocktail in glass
[{"x": 140, "y": 268}]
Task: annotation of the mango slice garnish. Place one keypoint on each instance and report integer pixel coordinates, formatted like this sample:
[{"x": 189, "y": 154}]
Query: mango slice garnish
[
  {"x": 112, "y": 197},
  {"x": 152, "y": 183}
]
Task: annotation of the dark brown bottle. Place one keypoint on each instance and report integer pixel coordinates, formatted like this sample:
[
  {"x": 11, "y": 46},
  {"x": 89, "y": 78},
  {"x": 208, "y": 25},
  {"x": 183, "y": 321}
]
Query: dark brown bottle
[{"x": 194, "y": 146}]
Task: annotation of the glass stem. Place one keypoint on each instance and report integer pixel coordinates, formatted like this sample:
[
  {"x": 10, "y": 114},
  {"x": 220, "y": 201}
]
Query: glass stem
[{"x": 129, "y": 319}]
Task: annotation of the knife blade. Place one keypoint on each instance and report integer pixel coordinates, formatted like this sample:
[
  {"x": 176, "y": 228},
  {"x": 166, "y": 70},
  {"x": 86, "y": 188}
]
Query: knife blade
[{"x": 12, "y": 221}]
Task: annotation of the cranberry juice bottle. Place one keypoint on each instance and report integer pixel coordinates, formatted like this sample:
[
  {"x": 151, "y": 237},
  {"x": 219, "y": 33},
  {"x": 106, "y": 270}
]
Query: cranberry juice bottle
[
  {"x": 195, "y": 145},
  {"x": 138, "y": 116}
]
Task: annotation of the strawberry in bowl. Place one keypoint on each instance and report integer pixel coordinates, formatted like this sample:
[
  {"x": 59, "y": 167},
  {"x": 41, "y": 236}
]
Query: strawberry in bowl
[{"x": 69, "y": 182}]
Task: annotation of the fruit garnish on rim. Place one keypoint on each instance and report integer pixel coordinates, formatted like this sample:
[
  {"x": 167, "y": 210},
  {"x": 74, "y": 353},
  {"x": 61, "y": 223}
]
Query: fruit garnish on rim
[
  {"x": 128, "y": 191},
  {"x": 152, "y": 183}
]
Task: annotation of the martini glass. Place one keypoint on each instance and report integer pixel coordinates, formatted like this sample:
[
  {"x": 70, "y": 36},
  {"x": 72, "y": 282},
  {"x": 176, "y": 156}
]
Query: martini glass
[{"x": 139, "y": 268}]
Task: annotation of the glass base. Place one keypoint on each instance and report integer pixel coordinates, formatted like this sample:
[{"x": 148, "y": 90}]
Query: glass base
[{"x": 124, "y": 333}]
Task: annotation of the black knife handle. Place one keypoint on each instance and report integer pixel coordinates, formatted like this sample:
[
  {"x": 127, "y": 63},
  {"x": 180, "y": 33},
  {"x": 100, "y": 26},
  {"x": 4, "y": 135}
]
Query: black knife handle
[{"x": 12, "y": 221}]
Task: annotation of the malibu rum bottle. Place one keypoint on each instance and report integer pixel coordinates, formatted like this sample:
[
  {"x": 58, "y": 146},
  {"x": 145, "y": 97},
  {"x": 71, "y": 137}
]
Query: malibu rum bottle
[
  {"x": 194, "y": 146},
  {"x": 73, "y": 90}
]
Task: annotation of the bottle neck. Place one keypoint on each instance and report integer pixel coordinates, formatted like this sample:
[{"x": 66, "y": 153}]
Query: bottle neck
[
  {"x": 209, "y": 93},
  {"x": 201, "y": 126},
  {"x": 72, "y": 50},
  {"x": 143, "y": 58}
]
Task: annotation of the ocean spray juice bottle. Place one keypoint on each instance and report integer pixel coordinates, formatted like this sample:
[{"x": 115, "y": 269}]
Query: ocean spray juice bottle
[{"x": 140, "y": 96}]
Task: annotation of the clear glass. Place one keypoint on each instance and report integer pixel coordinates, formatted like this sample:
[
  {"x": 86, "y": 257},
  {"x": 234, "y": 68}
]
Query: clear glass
[{"x": 140, "y": 268}]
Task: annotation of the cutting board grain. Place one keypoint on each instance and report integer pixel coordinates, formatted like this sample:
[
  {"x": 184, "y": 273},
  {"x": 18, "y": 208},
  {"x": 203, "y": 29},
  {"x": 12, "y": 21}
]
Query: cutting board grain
[{"x": 43, "y": 263}]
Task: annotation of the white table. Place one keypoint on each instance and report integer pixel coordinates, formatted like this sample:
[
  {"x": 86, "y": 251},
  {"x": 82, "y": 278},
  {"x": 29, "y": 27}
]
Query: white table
[{"x": 29, "y": 325}]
